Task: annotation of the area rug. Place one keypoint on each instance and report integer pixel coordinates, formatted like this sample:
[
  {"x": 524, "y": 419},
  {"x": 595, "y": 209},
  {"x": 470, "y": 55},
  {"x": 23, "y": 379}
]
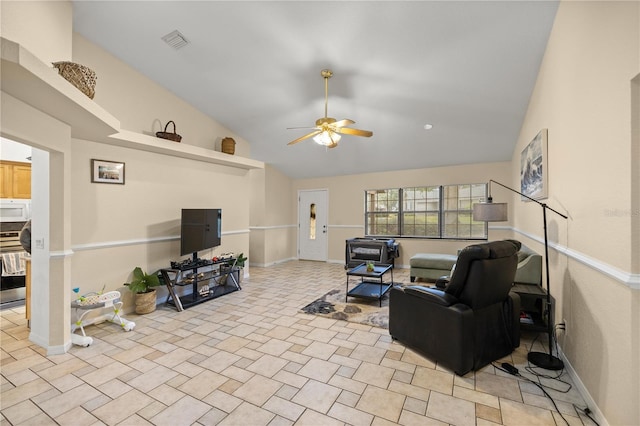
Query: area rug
[{"x": 358, "y": 310}]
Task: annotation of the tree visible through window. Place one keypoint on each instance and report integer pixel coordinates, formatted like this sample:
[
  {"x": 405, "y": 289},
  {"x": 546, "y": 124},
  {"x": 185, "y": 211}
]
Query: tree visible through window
[
  {"x": 458, "y": 211},
  {"x": 383, "y": 209},
  {"x": 443, "y": 211},
  {"x": 421, "y": 212}
]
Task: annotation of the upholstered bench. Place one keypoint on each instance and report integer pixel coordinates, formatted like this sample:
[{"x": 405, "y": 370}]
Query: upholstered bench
[{"x": 431, "y": 266}]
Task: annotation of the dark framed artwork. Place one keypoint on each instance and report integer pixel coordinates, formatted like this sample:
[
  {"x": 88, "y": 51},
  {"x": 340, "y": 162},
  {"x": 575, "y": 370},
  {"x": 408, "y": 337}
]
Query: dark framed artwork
[
  {"x": 534, "y": 180},
  {"x": 103, "y": 171}
]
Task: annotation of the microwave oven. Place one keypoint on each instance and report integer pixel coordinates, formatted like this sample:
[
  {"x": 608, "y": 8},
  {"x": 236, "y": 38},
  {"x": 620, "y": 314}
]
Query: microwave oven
[{"x": 15, "y": 210}]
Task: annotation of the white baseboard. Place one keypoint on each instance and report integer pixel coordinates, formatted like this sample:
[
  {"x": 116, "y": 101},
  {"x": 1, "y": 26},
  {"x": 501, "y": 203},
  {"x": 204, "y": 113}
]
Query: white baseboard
[
  {"x": 51, "y": 350},
  {"x": 584, "y": 392},
  {"x": 276, "y": 262}
]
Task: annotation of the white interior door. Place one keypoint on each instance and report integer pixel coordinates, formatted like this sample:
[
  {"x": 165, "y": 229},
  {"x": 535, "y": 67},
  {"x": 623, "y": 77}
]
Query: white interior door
[{"x": 312, "y": 225}]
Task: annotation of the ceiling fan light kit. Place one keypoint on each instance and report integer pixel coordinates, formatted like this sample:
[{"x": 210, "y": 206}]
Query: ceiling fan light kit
[
  {"x": 329, "y": 139},
  {"x": 327, "y": 131}
]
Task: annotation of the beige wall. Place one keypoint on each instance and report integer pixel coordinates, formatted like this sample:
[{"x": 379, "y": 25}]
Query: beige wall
[
  {"x": 43, "y": 27},
  {"x": 51, "y": 277},
  {"x": 96, "y": 233},
  {"x": 257, "y": 217},
  {"x": 273, "y": 229},
  {"x": 346, "y": 203},
  {"x": 282, "y": 232},
  {"x": 635, "y": 176},
  {"x": 142, "y": 106},
  {"x": 583, "y": 96},
  {"x": 146, "y": 209},
  {"x": 139, "y": 221}
]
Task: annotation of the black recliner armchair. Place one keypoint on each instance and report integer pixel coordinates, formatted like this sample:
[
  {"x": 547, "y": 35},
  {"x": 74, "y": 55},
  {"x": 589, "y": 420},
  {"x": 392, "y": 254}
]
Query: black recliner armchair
[{"x": 474, "y": 321}]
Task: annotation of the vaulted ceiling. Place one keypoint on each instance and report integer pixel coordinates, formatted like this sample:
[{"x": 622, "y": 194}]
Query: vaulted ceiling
[{"x": 466, "y": 67}]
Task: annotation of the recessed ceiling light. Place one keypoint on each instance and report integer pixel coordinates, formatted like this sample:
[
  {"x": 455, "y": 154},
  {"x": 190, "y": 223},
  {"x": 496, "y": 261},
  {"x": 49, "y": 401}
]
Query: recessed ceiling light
[{"x": 428, "y": 126}]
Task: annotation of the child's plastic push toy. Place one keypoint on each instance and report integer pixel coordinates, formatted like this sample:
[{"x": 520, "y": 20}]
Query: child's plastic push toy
[{"x": 83, "y": 305}]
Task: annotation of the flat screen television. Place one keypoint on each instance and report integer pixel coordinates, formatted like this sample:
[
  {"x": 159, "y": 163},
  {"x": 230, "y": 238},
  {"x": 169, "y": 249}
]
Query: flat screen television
[{"x": 200, "y": 229}]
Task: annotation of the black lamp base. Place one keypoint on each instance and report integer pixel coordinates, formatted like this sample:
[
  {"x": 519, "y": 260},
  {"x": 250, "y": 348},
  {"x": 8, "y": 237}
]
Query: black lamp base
[{"x": 546, "y": 361}]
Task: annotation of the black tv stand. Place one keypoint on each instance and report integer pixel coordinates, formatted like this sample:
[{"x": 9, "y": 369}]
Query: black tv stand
[
  {"x": 207, "y": 279},
  {"x": 192, "y": 263}
]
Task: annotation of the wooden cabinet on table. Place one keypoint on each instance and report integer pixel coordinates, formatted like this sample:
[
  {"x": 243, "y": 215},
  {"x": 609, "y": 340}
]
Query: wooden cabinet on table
[{"x": 15, "y": 179}]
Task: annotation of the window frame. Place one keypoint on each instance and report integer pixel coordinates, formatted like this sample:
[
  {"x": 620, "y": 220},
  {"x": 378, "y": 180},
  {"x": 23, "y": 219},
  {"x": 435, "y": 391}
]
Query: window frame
[{"x": 442, "y": 212}]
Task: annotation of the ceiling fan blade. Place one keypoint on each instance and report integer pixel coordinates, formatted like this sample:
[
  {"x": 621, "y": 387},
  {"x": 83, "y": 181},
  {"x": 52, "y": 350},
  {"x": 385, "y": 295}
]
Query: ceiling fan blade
[
  {"x": 304, "y": 127},
  {"x": 343, "y": 123},
  {"x": 355, "y": 132},
  {"x": 308, "y": 135}
]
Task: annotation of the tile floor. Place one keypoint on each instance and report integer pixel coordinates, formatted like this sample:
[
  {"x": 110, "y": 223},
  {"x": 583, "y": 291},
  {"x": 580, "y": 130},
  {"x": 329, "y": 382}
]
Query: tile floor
[{"x": 252, "y": 358}]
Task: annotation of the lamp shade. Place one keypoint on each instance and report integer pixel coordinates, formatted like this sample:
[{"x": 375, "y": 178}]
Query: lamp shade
[{"x": 490, "y": 212}]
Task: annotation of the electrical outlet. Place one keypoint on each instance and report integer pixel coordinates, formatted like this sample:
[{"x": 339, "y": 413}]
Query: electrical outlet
[{"x": 563, "y": 326}]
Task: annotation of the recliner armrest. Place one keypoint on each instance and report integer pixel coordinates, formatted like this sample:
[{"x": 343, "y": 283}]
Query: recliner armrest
[
  {"x": 443, "y": 281},
  {"x": 529, "y": 270},
  {"x": 431, "y": 295}
]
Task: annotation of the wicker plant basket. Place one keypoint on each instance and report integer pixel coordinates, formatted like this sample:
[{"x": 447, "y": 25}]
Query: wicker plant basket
[
  {"x": 228, "y": 146},
  {"x": 81, "y": 77},
  {"x": 168, "y": 135},
  {"x": 146, "y": 302}
]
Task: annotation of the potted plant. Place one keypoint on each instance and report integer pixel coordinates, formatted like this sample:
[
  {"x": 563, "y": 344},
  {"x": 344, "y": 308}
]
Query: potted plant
[
  {"x": 241, "y": 259},
  {"x": 371, "y": 266},
  {"x": 142, "y": 286}
]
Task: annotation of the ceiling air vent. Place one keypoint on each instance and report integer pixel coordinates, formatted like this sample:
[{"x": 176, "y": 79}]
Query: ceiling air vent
[{"x": 175, "y": 40}]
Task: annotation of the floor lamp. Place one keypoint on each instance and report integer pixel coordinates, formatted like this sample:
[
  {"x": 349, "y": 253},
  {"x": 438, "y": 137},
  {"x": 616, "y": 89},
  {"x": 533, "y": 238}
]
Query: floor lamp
[{"x": 497, "y": 212}]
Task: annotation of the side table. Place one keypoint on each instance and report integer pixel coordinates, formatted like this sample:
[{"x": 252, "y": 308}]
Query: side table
[
  {"x": 370, "y": 289},
  {"x": 533, "y": 301}
]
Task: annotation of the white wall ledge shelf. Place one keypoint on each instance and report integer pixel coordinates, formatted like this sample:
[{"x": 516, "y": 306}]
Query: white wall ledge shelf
[
  {"x": 27, "y": 78},
  {"x": 147, "y": 143},
  {"x": 30, "y": 80}
]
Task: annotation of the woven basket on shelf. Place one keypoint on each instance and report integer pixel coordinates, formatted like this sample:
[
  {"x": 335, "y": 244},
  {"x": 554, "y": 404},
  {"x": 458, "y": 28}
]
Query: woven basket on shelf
[
  {"x": 81, "y": 77},
  {"x": 168, "y": 135},
  {"x": 228, "y": 146}
]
